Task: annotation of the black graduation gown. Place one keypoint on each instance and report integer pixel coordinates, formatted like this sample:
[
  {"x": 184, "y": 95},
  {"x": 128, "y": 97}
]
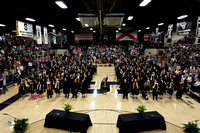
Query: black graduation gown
[
  {"x": 66, "y": 87},
  {"x": 22, "y": 88},
  {"x": 125, "y": 88},
  {"x": 49, "y": 91}
]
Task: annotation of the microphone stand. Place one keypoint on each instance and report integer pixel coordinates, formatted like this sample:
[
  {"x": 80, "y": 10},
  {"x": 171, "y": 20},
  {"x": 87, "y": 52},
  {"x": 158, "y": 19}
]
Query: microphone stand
[{"x": 10, "y": 115}]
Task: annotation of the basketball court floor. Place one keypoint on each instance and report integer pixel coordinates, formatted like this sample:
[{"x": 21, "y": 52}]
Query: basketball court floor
[{"x": 103, "y": 109}]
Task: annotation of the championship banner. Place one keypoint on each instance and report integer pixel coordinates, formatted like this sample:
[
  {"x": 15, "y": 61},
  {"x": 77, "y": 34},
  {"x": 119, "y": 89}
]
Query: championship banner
[
  {"x": 197, "y": 39},
  {"x": 45, "y": 35},
  {"x": 54, "y": 37},
  {"x": 169, "y": 32},
  {"x": 39, "y": 34},
  {"x": 184, "y": 28},
  {"x": 126, "y": 34},
  {"x": 24, "y": 29}
]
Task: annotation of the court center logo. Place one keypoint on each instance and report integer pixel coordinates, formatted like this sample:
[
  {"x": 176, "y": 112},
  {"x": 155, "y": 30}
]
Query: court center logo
[{"x": 25, "y": 26}]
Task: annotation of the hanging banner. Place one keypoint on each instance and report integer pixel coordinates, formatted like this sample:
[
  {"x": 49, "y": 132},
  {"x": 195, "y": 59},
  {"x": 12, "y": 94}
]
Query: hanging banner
[
  {"x": 169, "y": 32},
  {"x": 39, "y": 34},
  {"x": 45, "y": 35},
  {"x": 24, "y": 29},
  {"x": 54, "y": 37},
  {"x": 184, "y": 28},
  {"x": 197, "y": 39}
]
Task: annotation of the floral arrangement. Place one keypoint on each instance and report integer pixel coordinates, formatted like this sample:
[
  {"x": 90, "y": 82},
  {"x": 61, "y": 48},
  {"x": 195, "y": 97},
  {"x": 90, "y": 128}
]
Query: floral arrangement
[
  {"x": 67, "y": 106},
  {"x": 20, "y": 125},
  {"x": 141, "y": 108},
  {"x": 191, "y": 128}
]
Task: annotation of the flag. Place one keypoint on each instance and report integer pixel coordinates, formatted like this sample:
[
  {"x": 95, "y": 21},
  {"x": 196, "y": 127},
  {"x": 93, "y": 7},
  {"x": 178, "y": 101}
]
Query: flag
[
  {"x": 126, "y": 34},
  {"x": 86, "y": 34}
]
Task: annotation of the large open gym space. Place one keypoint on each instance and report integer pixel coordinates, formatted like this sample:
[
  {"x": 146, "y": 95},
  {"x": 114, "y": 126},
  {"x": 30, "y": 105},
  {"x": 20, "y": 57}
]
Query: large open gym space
[{"x": 100, "y": 66}]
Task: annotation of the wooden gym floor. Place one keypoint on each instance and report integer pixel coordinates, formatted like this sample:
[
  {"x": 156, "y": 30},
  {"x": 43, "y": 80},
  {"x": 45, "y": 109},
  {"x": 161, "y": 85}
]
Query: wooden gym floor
[{"x": 103, "y": 109}]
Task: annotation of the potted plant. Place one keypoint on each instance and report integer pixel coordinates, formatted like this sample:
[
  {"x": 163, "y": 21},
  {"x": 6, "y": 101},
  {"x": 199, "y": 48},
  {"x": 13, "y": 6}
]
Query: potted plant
[
  {"x": 141, "y": 109},
  {"x": 191, "y": 128},
  {"x": 67, "y": 107},
  {"x": 20, "y": 125}
]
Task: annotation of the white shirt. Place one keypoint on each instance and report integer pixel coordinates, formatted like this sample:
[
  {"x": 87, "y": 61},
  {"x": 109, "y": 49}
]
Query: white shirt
[{"x": 30, "y": 64}]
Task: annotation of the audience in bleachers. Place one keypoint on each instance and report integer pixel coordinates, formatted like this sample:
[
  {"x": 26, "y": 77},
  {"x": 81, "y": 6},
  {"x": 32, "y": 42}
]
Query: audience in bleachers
[{"x": 166, "y": 72}]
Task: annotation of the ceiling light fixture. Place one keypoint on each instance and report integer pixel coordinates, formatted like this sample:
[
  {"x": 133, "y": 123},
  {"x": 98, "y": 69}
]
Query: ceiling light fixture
[
  {"x": 123, "y": 24},
  {"x": 2, "y": 25},
  {"x": 30, "y": 19},
  {"x": 148, "y": 28},
  {"x": 86, "y": 25},
  {"x": 130, "y": 18},
  {"x": 160, "y": 24},
  {"x": 78, "y": 19},
  {"x": 64, "y": 29},
  {"x": 94, "y": 31},
  {"x": 117, "y": 31},
  {"x": 72, "y": 31},
  {"x": 139, "y": 30},
  {"x": 144, "y": 3},
  {"x": 182, "y": 17},
  {"x": 50, "y": 25},
  {"x": 61, "y": 4},
  {"x": 91, "y": 28},
  {"x": 119, "y": 28}
]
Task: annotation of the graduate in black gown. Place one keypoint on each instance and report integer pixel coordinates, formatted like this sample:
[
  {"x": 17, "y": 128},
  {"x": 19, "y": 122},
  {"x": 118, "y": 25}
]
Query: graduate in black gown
[
  {"x": 135, "y": 91},
  {"x": 22, "y": 88},
  {"x": 144, "y": 91},
  {"x": 31, "y": 87},
  {"x": 66, "y": 88},
  {"x": 162, "y": 89},
  {"x": 179, "y": 92},
  {"x": 49, "y": 89},
  {"x": 39, "y": 89},
  {"x": 75, "y": 88},
  {"x": 155, "y": 90},
  {"x": 171, "y": 89},
  {"x": 104, "y": 85},
  {"x": 83, "y": 87},
  {"x": 125, "y": 88}
]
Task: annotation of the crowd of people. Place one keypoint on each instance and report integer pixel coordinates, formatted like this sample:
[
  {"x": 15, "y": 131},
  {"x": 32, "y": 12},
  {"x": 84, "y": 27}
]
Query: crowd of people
[
  {"x": 165, "y": 73},
  {"x": 172, "y": 71},
  {"x": 18, "y": 57},
  {"x": 64, "y": 74}
]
